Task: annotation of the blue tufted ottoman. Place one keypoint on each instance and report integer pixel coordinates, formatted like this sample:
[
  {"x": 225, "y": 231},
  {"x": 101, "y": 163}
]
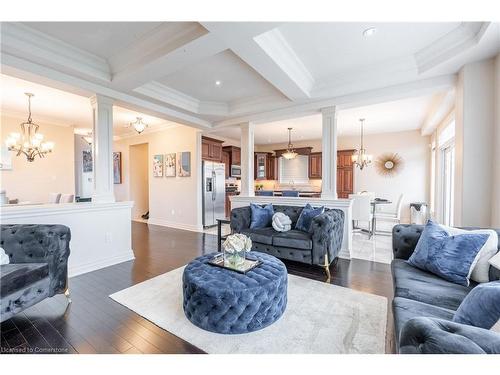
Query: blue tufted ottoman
[{"x": 223, "y": 301}]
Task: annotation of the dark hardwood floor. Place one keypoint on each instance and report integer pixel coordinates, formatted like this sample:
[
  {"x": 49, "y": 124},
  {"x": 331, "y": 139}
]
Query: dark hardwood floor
[{"x": 94, "y": 323}]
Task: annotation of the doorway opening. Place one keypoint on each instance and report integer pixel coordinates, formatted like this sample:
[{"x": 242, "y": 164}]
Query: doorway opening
[{"x": 139, "y": 180}]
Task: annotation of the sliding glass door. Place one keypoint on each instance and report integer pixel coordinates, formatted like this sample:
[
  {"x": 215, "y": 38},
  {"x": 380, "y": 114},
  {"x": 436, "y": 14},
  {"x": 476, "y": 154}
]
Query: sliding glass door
[{"x": 448, "y": 176}]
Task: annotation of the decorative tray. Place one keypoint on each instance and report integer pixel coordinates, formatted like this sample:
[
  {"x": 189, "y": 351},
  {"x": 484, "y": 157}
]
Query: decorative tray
[{"x": 248, "y": 265}]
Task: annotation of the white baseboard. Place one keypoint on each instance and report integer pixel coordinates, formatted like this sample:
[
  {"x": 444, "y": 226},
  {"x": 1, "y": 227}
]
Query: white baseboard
[
  {"x": 171, "y": 224},
  {"x": 344, "y": 254},
  {"x": 101, "y": 263}
]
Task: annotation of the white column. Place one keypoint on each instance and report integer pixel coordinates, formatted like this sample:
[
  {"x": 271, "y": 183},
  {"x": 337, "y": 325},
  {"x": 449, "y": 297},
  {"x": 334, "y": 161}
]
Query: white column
[
  {"x": 247, "y": 159},
  {"x": 102, "y": 149},
  {"x": 329, "y": 153}
]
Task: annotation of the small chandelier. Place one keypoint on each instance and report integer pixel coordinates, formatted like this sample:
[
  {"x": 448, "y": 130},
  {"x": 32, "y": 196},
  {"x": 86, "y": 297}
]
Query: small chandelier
[
  {"x": 360, "y": 158},
  {"x": 29, "y": 141},
  {"x": 138, "y": 125},
  {"x": 290, "y": 152}
]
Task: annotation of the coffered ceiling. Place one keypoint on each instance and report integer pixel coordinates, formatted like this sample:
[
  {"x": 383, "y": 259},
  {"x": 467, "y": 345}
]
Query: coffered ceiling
[{"x": 215, "y": 74}]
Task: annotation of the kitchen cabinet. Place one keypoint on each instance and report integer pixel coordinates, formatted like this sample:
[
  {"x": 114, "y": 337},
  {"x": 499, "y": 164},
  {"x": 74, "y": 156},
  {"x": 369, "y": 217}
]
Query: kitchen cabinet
[
  {"x": 262, "y": 166},
  {"x": 272, "y": 167},
  {"x": 345, "y": 173},
  {"x": 315, "y": 161},
  {"x": 226, "y": 159},
  {"x": 234, "y": 158},
  {"x": 211, "y": 149}
]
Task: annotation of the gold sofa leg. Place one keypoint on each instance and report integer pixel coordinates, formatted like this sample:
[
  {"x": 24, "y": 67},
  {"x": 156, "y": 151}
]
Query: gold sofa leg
[
  {"x": 326, "y": 266},
  {"x": 66, "y": 292}
]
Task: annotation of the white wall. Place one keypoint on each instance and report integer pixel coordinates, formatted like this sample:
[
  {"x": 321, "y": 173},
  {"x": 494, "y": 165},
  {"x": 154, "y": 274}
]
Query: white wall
[
  {"x": 173, "y": 201},
  {"x": 412, "y": 181},
  {"x": 495, "y": 210},
  {"x": 34, "y": 181},
  {"x": 474, "y": 144},
  {"x": 139, "y": 179},
  {"x": 83, "y": 181}
]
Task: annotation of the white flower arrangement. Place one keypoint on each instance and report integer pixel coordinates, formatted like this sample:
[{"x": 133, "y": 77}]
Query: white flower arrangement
[{"x": 237, "y": 243}]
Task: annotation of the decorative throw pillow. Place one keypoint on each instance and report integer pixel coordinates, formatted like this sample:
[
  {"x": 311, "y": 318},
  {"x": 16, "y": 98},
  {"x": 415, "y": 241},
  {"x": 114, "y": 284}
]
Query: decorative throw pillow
[
  {"x": 481, "y": 307},
  {"x": 281, "y": 222},
  {"x": 450, "y": 257},
  {"x": 261, "y": 216},
  {"x": 306, "y": 216},
  {"x": 4, "y": 258},
  {"x": 495, "y": 261}
]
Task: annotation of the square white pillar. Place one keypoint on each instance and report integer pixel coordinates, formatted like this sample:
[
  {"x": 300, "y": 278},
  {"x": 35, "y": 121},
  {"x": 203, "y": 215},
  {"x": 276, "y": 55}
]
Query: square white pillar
[
  {"x": 329, "y": 153},
  {"x": 102, "y": 149},
  {"x": 247, "y": 160}
]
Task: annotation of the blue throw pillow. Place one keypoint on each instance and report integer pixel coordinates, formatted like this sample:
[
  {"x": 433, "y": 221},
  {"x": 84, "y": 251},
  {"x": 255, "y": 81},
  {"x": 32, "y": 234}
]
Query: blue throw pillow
[
  {"x": 481, "y": 307},
  {"x": 261, "y": 216},
  {"x": 449, "y": 257},
  {"x": 306, "y": 216}
]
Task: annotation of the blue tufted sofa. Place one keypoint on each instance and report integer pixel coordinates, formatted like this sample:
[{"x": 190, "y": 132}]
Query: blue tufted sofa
[
  {"x": 38, "y": 265},
  {"x": 424, "y": 306},
  {"x": 321, "y": 247}
]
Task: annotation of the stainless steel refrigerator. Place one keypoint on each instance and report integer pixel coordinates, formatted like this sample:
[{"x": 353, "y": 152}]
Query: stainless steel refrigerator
[{"x": 214, "y": 192}]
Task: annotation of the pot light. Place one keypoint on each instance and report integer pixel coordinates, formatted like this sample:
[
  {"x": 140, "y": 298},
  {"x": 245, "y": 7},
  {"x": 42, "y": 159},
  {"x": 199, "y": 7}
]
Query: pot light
[
  {"x": 369, "y": 32},
  {"x": 218, "y": 83}
]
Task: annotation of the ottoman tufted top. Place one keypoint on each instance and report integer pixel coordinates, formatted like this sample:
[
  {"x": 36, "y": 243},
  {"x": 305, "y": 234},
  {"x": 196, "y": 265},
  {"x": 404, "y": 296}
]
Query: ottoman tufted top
[
  {"x": 201, "y": 273},
  {"x": 224, "y": 301}
]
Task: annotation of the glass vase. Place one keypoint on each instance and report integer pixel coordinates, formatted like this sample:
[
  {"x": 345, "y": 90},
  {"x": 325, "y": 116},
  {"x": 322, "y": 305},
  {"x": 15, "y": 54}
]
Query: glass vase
[{"x": 233, "y": 258}]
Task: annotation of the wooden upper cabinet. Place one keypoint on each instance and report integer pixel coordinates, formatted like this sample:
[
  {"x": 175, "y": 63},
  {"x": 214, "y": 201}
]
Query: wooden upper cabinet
[
  {"x": 315, "y": 161},
  {"x": 236, "y": 156},
  {"x": 272, "y": 167},
  {"x": 260, "y": 165},
  {"x": 345, "y": 173},
  {"x": 211, "y": 149},
  {"x": 226, "y": 159}
]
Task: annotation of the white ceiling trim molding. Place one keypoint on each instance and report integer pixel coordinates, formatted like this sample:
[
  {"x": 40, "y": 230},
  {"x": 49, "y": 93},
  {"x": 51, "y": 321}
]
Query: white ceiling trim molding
[
  {"x": 276, "y": 46},
  {"x": 441, "y": 106},
  {"x": 18, "y": 67},
  {"x": 161, "y": 92},
  {"x": 391, "y": 93},
  {"x": 255, "y": 104},
  {"x": 239, "y": 37},
  {"x": 465, "y": 36},
  {"x": 195, "y": 45},
  {"x": 27, "y": 43}
]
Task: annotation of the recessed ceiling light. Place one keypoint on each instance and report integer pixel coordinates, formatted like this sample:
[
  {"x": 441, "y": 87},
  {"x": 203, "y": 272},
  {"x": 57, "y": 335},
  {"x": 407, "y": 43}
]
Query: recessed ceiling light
[
  {"x": 218, "y": 83},
  {"x": 369, "y": 32}
]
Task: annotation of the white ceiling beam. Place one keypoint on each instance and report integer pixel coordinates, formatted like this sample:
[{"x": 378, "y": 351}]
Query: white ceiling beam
[
  {"x": 268, "y": 54},
  {"x": 30, "y": 44},
  {"x": 165, "y": 60},
  {"x": 21, "y": 68},
  {"x": 440, "y": 107},
  {"x": 406, "y": 90}
]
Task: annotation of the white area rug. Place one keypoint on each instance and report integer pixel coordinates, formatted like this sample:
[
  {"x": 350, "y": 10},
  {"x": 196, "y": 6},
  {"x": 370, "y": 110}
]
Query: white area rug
[{"x": 319, "y": 318}]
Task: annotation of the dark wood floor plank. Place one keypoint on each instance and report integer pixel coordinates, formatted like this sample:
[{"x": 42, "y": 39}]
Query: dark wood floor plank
[{"x": 94, "y": 323}]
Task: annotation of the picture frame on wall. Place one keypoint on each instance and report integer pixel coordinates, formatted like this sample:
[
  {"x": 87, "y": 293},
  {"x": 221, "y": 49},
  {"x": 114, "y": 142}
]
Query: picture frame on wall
[
  {"x": 158, "y": 166},
  {"x": 117, "y": 167},
  {"x": 170, "y": 165},
  {"x": 6, "y": 156},
  {"x": 184, "y": 164},
  {"x": 86, "y": 161}
]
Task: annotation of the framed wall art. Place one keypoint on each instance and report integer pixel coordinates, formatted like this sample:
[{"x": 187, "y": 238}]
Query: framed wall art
[
  {"x": 158, "y": 166},
  {"x": 117, "y": 167},
  {"x": 170, "y": 165},
  {"x": 184, "y": 164}
]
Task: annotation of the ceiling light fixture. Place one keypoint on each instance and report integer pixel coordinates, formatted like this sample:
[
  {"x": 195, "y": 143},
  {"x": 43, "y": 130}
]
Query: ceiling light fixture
[
  {"x": 360, "y": 158},
  {"x": 88, "y": 138},
  {"x": 138, "y": 125},
  {"x": 290, "y": 152},
  {"x": 369, "y": 32},
  {"x": 218, "y": 83},
  {"x": 29, "y": 141}
]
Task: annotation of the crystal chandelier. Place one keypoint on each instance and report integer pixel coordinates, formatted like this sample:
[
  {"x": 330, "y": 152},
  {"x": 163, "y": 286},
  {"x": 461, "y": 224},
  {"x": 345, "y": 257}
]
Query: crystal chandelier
[
  {"x": 290, "y": 152},
  {"x": 29, "y": 142},
  {"x": 360, "y": 158},
  {"x": 138, "y": 125}
]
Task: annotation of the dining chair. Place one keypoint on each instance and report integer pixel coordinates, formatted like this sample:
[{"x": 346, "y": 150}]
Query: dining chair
[
  {"x": 391, "y": 216},
  {"x": 54, "y": 197},
  {"x": 264, "y": 193},
  {"x": 290, "y": 193},
  {"x": 362, "y": 211},
  {"x": 67, "y": 198}
]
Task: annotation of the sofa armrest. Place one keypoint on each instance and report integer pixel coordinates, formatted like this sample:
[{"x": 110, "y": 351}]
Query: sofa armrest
[
  {"x": 39, "y": 243},
  {"x": 404, "y": 239},
  {"x": 437, "y": 336},
  {"x": 240, "y": 219},
  {"x": 327, "y": 234}
]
